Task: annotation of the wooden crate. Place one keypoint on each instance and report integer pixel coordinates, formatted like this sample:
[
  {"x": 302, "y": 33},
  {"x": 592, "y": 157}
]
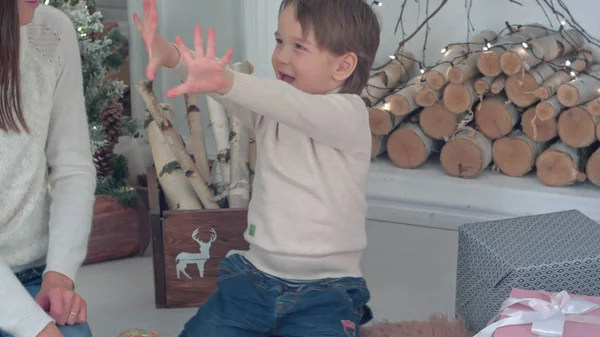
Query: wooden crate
[
  {"x": 117, "y": 231},
  {"x": 183, "y": 275}
]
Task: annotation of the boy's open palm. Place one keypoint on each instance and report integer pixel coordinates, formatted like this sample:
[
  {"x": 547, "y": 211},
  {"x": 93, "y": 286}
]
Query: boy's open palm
[{"x": 205, "y": 72}]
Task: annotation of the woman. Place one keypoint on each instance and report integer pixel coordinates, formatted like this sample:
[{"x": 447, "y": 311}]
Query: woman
[{"x": 45, "y": 219}]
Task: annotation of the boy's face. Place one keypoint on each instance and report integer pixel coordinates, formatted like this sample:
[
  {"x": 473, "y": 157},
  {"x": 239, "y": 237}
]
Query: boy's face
[{"x": 300, "y": 62}]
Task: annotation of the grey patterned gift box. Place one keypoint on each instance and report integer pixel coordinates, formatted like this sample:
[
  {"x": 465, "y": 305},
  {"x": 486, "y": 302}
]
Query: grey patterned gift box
[{"x": 551, "y": 252}]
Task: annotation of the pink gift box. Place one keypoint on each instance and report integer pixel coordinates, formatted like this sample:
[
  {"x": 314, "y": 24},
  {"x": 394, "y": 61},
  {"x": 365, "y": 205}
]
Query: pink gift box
[{"x": 575, "y": 325}]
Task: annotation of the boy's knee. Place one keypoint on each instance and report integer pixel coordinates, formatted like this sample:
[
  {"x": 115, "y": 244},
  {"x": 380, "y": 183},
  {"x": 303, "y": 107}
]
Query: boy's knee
[{"x": 78, "y": 330}]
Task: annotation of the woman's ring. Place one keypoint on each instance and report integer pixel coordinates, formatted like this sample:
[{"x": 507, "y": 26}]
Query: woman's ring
[{"x": 74, "y": 314}]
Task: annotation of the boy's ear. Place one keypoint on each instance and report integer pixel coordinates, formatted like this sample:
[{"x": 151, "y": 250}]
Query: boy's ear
[{"x": 345, "y": 66}]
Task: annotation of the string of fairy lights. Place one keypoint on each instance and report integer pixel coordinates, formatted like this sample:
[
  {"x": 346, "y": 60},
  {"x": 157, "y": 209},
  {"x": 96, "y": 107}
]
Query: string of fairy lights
[{"x": 564, "y": 20}]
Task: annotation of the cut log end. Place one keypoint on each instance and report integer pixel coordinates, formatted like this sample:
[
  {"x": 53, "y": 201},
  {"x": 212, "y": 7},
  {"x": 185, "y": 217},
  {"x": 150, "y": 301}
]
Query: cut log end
[
  {"x": 594, "y": 107},
  {"x": 427, "y": 97},
  {"x": 466, "y": 156},
  {"x": 536, "y": 129},
  {"x": 495, "y": 118},
  {"x": 592, "y": 168},
  {"x": 489, "y": 64},
  {"x": 435, "y": 80},
  {"x": 557, "y": 169},
  {"x": 456, "y": 75},
  {"x": 521, "y": 93},
  {"x": 513, "y": 156},
  {"x": 407, "y": 148},
  {"x": 542, "y": 93},
  {"x": 481, "y": 87},
  {"x": 380, "y": 121},
  {"x": 568, "y": 95},
  {"x": 577, "y": 127},
  {"x": 438, "y": 122},
  {"x": 457, "y": 98},
  {"x": 511, "y": 63}
]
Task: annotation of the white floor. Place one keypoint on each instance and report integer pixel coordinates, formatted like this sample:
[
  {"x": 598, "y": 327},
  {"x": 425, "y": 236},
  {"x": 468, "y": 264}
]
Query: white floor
[{"x": 410, "y": 271}]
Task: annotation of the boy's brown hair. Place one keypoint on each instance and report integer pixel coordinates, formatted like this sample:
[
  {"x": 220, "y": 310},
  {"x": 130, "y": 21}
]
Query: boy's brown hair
[{"x": 342, "y": 26}]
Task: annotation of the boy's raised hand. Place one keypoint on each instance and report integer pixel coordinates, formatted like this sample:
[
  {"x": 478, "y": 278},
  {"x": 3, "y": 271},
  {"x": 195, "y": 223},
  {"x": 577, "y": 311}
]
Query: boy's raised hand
[
  {"x": 205, "y": 72},
  {"x": 155, "y": 45}
]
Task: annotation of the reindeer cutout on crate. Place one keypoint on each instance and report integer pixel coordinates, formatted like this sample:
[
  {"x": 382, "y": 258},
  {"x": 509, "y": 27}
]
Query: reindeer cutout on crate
[{"x": 199, "y": 259}]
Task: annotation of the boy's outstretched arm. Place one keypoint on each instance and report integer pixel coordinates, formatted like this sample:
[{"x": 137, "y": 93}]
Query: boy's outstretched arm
[{"x": 338, "y": 120}]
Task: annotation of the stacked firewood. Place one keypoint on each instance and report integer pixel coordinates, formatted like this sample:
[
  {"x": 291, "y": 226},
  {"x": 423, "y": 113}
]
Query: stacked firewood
[
  {"x": 515, "y": 102},
  {"x": 189, "y": 181}
]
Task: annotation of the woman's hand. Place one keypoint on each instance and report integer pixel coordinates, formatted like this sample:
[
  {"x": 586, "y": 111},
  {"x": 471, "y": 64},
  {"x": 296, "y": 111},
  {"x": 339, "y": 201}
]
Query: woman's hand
[
  {"x": 205, "y": 72},
  {"x": 160, "y": 52},
  {"x": 58, "y": 299}
]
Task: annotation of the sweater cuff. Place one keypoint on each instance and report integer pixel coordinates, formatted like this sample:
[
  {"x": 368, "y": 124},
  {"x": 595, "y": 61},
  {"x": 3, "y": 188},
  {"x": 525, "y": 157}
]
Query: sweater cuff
[
  {"x": 180, "y": 69},
  {"x": 241, "y": 90},
  {"x": 32, "y": 323},
  {"x": 66, "y": 264}
]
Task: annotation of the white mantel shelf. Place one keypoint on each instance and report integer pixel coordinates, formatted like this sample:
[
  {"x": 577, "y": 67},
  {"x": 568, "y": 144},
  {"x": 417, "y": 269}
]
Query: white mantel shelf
[{"x": 428, "y": 197}]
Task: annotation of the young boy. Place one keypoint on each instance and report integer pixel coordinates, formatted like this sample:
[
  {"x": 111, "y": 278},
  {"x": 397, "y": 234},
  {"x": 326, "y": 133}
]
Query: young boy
[{"x": 301, "y": 276}]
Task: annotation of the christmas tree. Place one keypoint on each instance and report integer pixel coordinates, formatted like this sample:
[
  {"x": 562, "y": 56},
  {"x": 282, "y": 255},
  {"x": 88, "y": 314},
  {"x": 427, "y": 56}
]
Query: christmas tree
[{"x": 102, "y": 53}]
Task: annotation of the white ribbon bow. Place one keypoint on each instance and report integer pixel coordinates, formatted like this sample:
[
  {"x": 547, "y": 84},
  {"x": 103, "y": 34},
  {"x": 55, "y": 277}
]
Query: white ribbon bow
[{"x": 547, "y": 318}]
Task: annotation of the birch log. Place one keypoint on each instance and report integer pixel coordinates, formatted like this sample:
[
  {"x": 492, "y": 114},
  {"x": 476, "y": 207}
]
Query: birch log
[
  {"x": 561, "y": 165},
  {"x": 404, "y": 100},
  {"x": 427, "y": 97},
  {"x": 408, "y": 147},
  {"x": 464, "y": 70},
  {"x": 594, "y": 107},
  {"x": 515, "y": 154},
  {"x": 498, "y": 84},
  {"x": 384, "y": 81},
  {"x": 520, "y": 88},
  {"x": 543, "y": 49},
  {"x": 496, "y": 117},
  {"x": 440, "y": 123},
  {"x": 382, "y": 121},
  {"x": 489, "y": 61},
  {"x": 176, "y": 187},
  {"x": 549, "y": 108},
  {"x": 483, "y": 85},
  {"x": 198, "y": 147},
  {"x": 239, "y": 143},
  {"x": 537, "y": 129},
  {"x": 592, "y": 168},
  {"x": 550, "y": 86},
  {"x": 437, "y": 77},
  {"x": 176, "y": 144},
  {"x": 467, "y": 154},
  {"x": 378, "y": 145},
  {"x": 459, "y": 98},
  {"x": 577, "y": 127},
  {"x": 583, "y": 88},
  {"x": 219, "y": 122}
]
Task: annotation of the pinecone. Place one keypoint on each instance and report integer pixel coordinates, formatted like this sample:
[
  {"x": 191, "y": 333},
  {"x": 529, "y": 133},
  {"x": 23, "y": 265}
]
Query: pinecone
[
  {"x": 112, "y": 118},
  {"x": 103, "y": 161}
]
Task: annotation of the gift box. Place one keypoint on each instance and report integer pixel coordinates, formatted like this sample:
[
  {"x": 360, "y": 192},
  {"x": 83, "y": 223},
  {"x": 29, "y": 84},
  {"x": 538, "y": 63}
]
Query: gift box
[
  {"x": 550, "y": 252},
  {"x": 529, "y": 313}
]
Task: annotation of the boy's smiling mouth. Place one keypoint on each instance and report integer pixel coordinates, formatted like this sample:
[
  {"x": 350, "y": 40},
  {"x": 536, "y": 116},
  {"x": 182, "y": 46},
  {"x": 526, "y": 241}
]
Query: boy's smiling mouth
[{"x": 286, "y": 78}]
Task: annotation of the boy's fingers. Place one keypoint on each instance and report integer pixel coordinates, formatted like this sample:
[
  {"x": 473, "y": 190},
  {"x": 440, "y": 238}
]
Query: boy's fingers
[
  {"x": 177, "y": 91},
  {"x": 226, "y": 58},
  {"x": 198, "y": 42},
  {"x": 185, "y": 53},
  {"x": 138, "y": 23},
  {"x": 211, "y": 45}
]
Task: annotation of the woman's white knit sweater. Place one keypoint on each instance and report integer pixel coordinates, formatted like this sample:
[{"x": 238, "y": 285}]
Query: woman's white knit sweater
[{"x": 40, "y": 226}]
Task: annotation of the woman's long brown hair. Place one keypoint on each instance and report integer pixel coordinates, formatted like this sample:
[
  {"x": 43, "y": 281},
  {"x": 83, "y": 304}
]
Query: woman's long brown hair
[{"x": 11, "y": 109}]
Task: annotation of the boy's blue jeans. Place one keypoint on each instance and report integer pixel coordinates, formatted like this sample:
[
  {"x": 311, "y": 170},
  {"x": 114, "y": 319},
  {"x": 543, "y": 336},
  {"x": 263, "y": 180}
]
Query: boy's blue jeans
[
  {"x": 32, "y": 281},
  {"x": 250, "y": 303}
]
